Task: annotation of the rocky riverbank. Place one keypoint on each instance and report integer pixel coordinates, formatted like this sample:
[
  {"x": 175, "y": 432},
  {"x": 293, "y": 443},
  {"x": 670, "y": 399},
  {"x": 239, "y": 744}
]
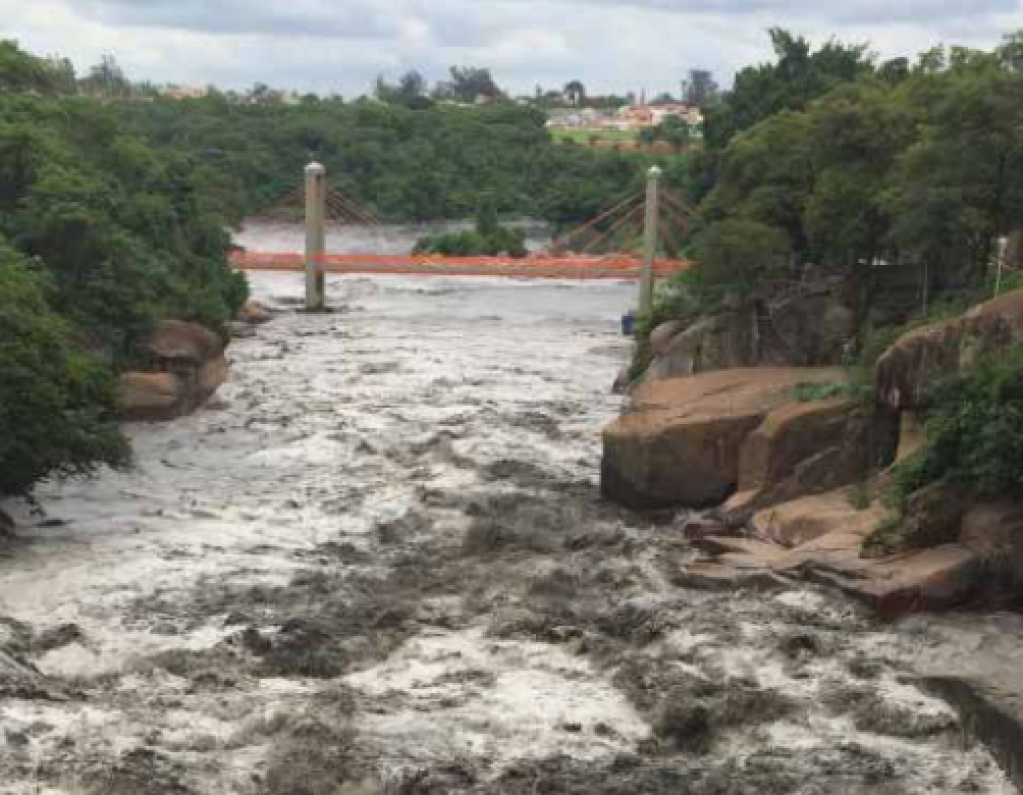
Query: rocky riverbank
[
  {"x": 383, "y": 566},
  {"x": 794, "y": 463}
]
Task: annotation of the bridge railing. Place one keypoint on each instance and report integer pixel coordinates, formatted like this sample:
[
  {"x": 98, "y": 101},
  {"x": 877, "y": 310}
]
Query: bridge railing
[{"x": 532, "y": 267}]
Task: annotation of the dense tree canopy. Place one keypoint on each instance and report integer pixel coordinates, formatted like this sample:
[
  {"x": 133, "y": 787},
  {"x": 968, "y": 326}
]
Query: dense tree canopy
[
  {"x": 882, "y": 175},
  {"x": 401, "y": 162},
  {"x": 55, "y": 400},
  {"x": 100, "y": 235}
]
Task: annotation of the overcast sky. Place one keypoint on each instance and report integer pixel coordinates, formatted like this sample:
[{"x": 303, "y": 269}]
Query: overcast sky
[{"x": 341, "y": 45}]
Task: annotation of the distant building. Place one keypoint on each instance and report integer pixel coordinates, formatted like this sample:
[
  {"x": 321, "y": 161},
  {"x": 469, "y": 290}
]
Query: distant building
[
  {"x": 580, "y": 119},
  {"x": 185, "y": 92},
  {"x": 640, "y": 117}
]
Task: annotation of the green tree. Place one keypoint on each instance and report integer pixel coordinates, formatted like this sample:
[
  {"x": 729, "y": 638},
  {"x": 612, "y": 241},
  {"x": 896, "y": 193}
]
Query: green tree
[
  {"x": 736, "y": 260},
  {"x": 700, "y": 88},
  {"x": 20, "y": 71},
  {"x": 575, "y": 93},
  {"x": 55, "y": 402}
]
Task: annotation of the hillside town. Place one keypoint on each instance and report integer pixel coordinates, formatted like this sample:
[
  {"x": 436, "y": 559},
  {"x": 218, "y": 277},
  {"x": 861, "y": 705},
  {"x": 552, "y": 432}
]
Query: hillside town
[{"x": 627, "y": 119}]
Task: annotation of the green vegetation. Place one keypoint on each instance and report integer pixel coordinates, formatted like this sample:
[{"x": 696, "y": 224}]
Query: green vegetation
[
  {"x": 401, "y": 163},
  {"x": 974, "y": 432},
  {"x": 973, "y": 451},
  {"x": 55, "y": 401},
  {"x": 489, "y": 238},
  {"x": 591, "y": 137},
  {"x": 897, "y": 178},
  {"x": 100, "y": 234}
]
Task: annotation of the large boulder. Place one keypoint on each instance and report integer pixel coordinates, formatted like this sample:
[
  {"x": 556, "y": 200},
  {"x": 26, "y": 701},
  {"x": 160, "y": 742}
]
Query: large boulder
[
  {"x": 994, "y": 531},
  {"x": 174, "y": 344},
  {"x": 253, "y": 313},
  {"x": 715, "y": 343},
  {"x": 679, "y": 442},
  {"x": 810, "y": 448},
  {"x": 946, "y": 348},
  {"x": 662, "y": 336},
  {"x": 185, "y": 367},
  {"x": 810, "y": 328},
  {"x": 806, "y": 330}
]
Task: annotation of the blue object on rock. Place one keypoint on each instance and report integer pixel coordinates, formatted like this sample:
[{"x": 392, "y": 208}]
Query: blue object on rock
[{"x": 628, "y": 324}]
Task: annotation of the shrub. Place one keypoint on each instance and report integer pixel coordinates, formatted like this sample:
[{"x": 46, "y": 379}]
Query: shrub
[{"x": 974, "y": 432}]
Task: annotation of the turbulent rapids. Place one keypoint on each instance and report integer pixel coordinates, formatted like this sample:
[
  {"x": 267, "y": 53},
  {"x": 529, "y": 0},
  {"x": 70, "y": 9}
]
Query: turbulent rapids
[{"x": 379, "y": 564}]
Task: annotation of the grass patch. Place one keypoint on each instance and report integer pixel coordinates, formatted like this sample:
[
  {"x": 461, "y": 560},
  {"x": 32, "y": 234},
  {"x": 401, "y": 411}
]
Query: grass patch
[
  {"x": 852, "y": 390},
  {"x": 586, "y": 137},
  {"x": 859, "y": 497}
]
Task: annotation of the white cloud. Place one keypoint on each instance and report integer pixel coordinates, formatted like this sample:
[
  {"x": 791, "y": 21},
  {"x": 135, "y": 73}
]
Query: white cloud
[{"x": 342, "y": 44}]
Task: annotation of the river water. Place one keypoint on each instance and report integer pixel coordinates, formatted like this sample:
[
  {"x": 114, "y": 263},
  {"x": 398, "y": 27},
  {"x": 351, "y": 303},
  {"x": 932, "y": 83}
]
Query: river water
[{"x": 379, "y": 564}]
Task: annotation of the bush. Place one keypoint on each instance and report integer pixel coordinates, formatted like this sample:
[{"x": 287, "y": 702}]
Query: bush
[
  {"x": 488, "y": 239},
  {"x": 974, "y": 432},
  {"x": 56, "y": 402}
]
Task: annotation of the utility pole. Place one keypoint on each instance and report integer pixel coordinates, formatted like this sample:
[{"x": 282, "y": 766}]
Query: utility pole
[
  {"x": 315, "y": 236},
  {"x": 653, "y": 213}
]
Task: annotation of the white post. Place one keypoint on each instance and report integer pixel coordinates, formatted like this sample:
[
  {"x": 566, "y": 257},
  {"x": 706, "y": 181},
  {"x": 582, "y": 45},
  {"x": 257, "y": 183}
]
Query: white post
[
  {"x": 646, "y": 283},
  {"x": 315, "y": 236}
]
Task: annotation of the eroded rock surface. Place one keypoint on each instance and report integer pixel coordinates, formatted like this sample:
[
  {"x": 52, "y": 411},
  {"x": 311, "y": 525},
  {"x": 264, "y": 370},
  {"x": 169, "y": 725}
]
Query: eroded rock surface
[
  {"x": 809, "y": 329},
  {"x": 804, "y": 448},
  {"x": 943, "y": 349},
  {"x": 680, "y": 441}
]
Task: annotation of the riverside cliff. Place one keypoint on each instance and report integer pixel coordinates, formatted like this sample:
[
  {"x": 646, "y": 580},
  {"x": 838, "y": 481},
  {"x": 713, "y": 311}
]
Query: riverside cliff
[{"x": 800, "y": 464}]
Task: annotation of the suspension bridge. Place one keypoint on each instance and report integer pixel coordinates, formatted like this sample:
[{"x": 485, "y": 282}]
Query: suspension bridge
[{"x": 630, "y": 240}]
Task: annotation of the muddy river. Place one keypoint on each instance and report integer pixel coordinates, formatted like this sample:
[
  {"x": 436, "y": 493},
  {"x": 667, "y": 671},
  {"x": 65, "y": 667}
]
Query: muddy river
[{"x": 380, "y": 564}]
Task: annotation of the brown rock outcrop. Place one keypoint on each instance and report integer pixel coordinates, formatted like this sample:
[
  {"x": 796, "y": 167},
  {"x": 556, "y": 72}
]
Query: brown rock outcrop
[
  {"x": 679, "y": 443},
  {"x": 946, "y": 348},
  {"x": 186, "y": 366},
  {"x": 820, "y": 539},
  {"x": 253, "y": 313},
  {"x": 716, "y": 343},
  {"x": 809, "y": 329},
  {"x": 662, "y": 336},
  {"x": 810, "y": 448}
]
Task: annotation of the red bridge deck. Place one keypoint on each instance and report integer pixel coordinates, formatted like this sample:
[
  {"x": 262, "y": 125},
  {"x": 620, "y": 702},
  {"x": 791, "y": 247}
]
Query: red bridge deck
[{"x": 532, "y": 267}]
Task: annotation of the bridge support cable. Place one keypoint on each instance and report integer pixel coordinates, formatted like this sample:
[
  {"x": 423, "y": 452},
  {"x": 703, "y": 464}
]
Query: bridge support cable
[
  {"x": 589, "y": 225},
  {"x": 668, "y": 233},
  {"x": 630, "y": 217}
]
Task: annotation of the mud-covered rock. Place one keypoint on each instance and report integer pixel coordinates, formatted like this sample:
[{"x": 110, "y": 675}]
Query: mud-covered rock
[
  {"x": 185, "y": 367},
  {"x": 679, "y": 442},
  {"x": 943, "y": 349}
]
